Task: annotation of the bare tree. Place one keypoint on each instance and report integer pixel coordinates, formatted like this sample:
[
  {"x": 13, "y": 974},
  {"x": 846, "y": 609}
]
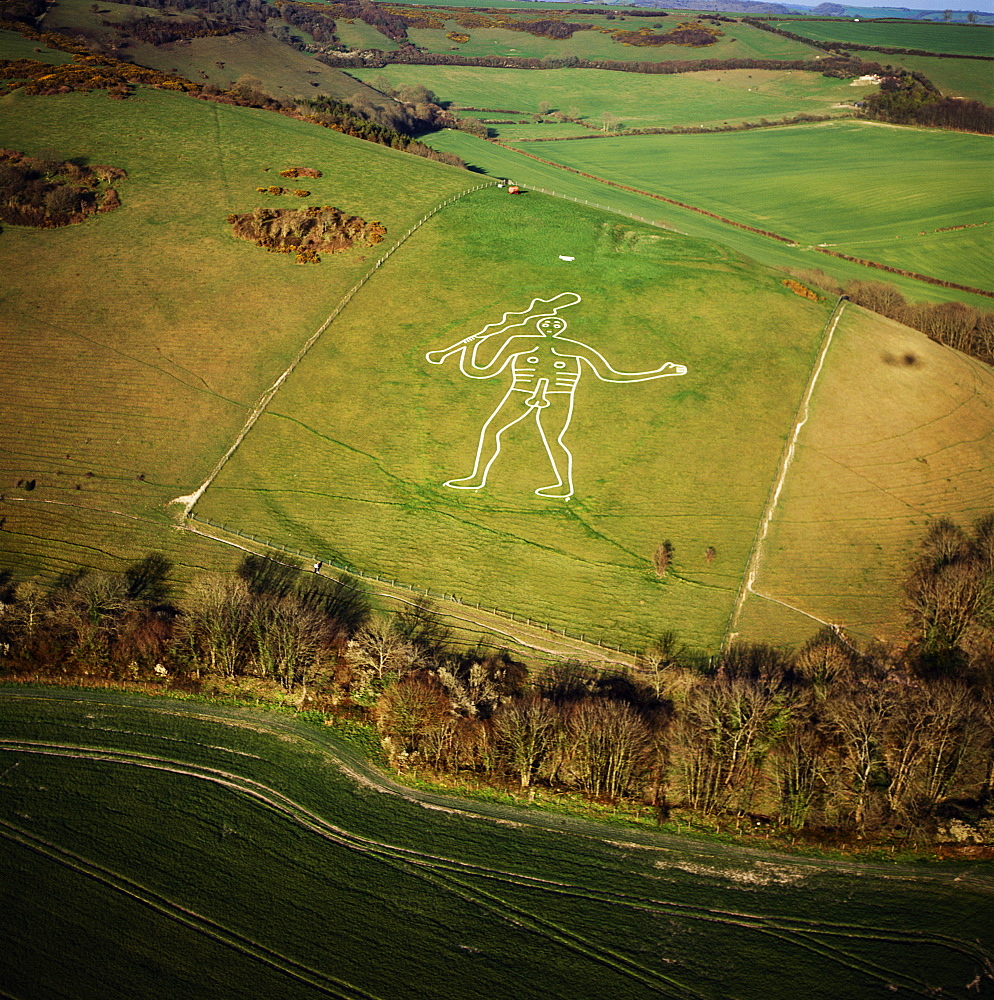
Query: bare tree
[
  {"x": 610, "y": 744},
  {"x": 215, "y": 625},
  {"x": 527, "y": 731},
  {"x": 662, "y": 558}
]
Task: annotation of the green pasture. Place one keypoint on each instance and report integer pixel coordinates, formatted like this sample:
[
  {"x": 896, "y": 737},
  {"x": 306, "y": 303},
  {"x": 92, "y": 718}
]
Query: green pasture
[
  {"x": 956, "y": 39},
  {"x": 969, "y": 78},
  {"x": 134, "y": 344},
  {"x": 238, "y": 855},
  {"x": 16, "y": 46},
  {"x": 740, "y": 41},
  {"x": 349, "y": 460},
  {"x": 358, "y": 35},
  {"x": 901, "y": 430},
  {"x": 637, "y": 100},
  {"x": 868, "y": 190},
  {"x": 499, "y": 161}
]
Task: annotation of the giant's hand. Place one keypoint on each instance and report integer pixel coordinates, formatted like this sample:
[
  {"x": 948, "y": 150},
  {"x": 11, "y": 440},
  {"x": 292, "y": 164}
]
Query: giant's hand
[{"x": 672, "y": 369}]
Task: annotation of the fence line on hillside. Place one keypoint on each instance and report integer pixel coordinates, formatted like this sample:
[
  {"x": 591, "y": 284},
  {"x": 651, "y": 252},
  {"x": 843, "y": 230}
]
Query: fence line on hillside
[
  {"x": 264, "y": 400},
  {"x": 606, "y": 208},
  {"x": 427, "y": 592}
]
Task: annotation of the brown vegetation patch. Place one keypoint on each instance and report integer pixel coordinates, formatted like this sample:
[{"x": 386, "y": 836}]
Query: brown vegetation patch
[
  {"x": 300, "y": 172},
  {"x": 305, "y": 231},
  {"x": 798, "y": 289},
  {"x": 46, "y": 191}
]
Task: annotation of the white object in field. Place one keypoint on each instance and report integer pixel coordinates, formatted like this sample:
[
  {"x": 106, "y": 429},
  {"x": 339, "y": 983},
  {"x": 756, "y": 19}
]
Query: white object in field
[
  {"x": 564, "y": 257},
  {"x": 545, "y": 369}
]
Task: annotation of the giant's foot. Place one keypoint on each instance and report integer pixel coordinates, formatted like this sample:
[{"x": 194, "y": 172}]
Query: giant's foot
[
  {"x": 469, "y": 483},
  {"x": 558, "y": 491}
]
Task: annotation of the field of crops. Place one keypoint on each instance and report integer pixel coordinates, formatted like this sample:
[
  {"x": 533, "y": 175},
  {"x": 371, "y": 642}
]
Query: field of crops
[
  {"x": 638, "y": 101},
  {"x": 133, "y": 344},
  {"x": 868, "y": 190},
  {"x": 956, "y": 39},
  {"x": 351, "y": 457},
  {"x": 900, "y": 428},
  {"x": 169, "y": 850}
]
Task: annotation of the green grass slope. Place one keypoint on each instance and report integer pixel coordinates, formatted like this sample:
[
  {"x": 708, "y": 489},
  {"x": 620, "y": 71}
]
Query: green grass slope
[
  {"x": 285, "y": 72},
  {"x": 955, "y": 39},
  {"x": 500, "y": 161},
  {"x": 868, "y": 190},
  {"x": 740, "y": 41},
  {"x": 971, "y": 79},
  {"x": 134, "y": 344},
  {"x": 638, "y": 101},
  {"x": 163, "y": 850},
  {"x": 350, "y": 458},
  {"x": 901, "y": 430}
]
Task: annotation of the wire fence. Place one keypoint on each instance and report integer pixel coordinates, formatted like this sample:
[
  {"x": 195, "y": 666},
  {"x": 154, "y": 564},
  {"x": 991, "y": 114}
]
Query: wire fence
[
  {"x": 607, "y": 208},
  {"x": 346, "y": 567}
]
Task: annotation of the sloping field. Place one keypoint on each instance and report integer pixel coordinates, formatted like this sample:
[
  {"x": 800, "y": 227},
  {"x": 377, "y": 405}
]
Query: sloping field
[
  {"x": 956, "y": 39},
  {"x": 901, "y": 430},
  {"x": 872, "y": 191},
  {"x": 164, "y": 850},
  {"x": 15, "y": 46},
  {"x": 350, "y": 459},
  {"x": 739, "y": 42},
  {"x": 134, "y": 344},
  {"x": 638, "y": 101},
  {"x": 502, "y": 161},
  {"x": 972, "y": 79},
  {"x": 220, "y": 60}
]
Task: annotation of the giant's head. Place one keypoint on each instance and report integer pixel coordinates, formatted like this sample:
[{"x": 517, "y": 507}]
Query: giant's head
[{"x": 551, "y": 326}]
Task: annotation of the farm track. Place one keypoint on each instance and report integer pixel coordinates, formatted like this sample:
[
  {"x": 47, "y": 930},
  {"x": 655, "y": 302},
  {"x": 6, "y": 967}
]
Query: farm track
[
  {"x": 786, "y": 460},
  {"x": 465, "y": 879}
]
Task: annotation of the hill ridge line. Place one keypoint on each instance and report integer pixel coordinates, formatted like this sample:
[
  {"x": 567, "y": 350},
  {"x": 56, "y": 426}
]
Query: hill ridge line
[{"x": 191, "y": 499}]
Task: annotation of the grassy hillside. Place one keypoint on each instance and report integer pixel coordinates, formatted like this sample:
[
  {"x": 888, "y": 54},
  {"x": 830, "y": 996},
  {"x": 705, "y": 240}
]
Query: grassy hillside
[
  {"x": 740, "y": 41},
  {"x": 814, "y": 184},
  {"x": 351, "y": 456},
  {"x": 691, "y": 99},
  {"x": 968, "y": 78},
  {"x": 956, "y": 39},
  {"x": 172, "y": 850},
  {"x": 133, "y": 344},
  {"x": 901, "y": 429},
  {"x": 220, "y": 60}
]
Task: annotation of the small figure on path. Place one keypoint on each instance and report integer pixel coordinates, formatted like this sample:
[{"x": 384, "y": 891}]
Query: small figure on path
[{"x": 546, "y": 369}]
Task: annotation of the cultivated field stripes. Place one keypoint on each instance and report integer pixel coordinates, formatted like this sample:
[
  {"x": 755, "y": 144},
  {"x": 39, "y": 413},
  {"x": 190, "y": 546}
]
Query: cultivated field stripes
[
  {"x": 327, "y": 985},
  {"x": 191, "y": 499},
  {"x": 805, "y": 933},
  {"x": 786, "y": 460}
]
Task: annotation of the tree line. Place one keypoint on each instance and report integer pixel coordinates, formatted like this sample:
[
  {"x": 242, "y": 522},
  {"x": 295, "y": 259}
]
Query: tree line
[{"x": 830, "y": 740}]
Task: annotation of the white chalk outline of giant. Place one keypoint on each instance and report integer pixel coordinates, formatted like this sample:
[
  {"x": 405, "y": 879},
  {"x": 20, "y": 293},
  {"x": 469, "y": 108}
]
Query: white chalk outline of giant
[{"x": 548, "y": 378}]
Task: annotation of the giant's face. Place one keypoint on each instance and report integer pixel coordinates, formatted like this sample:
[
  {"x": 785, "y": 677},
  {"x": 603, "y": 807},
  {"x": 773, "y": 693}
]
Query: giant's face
[{"x": 551, "y": 326}]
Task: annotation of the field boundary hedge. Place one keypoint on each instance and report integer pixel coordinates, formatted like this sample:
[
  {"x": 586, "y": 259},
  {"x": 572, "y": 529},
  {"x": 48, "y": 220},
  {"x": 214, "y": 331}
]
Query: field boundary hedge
[{"x": 191, "y": 499}]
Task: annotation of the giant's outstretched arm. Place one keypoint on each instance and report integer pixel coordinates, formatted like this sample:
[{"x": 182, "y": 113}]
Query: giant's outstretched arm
[
  {"x": 521, "y": 344},
  {"x": 600, "y": 366}
]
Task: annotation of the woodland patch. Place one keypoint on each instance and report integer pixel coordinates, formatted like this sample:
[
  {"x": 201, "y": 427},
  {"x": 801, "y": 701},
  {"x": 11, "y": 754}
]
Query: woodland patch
[
  {"x": 47, "y": 192},
  {"x": 306, "y": 232}
]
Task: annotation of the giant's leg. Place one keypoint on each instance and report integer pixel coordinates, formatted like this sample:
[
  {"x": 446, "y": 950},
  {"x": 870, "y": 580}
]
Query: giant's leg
[
  {"x": 510, "y": 410},
  {"x": 553, "y": 423}
]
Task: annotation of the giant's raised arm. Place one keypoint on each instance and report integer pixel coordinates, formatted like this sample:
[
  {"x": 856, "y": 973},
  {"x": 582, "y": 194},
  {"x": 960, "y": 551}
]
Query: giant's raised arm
[
  {"x": 509, "y": 321},
  {"x": 601, "y": 367}
]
